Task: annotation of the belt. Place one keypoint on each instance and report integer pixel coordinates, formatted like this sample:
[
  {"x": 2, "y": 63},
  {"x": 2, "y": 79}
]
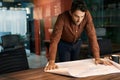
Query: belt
[{"x": 70, "y": 42}]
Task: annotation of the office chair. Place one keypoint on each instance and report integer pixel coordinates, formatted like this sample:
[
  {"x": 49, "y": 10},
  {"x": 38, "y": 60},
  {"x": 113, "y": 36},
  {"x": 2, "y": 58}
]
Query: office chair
[
  {"x": 105, "y": 46},
  {"x": 13, "y": 60},
  {"x": 11, "y": 41}
]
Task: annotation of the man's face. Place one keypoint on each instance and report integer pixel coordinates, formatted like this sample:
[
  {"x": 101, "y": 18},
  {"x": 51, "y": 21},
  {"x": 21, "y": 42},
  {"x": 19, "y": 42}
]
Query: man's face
[{"x": 78, "y": 16}]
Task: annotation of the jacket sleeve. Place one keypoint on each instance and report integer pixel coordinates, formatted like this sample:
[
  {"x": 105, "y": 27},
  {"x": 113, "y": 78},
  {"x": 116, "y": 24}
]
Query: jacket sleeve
[
  {"x": 55, "y": 37},
  {"x": 90, "y": 30}
]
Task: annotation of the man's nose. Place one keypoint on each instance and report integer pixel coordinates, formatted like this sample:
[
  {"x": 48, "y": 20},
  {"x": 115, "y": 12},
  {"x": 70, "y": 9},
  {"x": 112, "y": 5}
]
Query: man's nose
[{"x": 79, "y": 20}]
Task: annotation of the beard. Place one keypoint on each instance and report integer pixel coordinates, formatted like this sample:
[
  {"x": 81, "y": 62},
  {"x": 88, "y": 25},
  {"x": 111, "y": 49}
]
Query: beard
[{"x": 77, "y": 23}]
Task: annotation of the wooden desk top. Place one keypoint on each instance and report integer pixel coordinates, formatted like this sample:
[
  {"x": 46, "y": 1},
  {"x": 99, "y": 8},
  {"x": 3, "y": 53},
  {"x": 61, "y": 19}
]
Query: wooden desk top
[{"x": 39, "y": 74}]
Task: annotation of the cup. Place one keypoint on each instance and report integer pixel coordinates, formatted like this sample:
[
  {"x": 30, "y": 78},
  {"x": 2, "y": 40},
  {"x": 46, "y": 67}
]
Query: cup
[{"x": 116, "y": 58}]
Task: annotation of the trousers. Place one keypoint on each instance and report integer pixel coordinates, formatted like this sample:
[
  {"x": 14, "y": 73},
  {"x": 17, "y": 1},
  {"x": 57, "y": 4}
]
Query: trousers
[{"x": 68, "y": 51}]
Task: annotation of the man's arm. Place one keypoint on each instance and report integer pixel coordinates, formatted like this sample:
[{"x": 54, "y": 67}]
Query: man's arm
[
  {"x": 91, "y": 33},
  {"x": 90, "y": 30},
  {"x": 55, "y": 37}
]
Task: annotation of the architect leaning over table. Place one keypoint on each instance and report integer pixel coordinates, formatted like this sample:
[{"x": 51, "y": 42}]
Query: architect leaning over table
[{"x": 65, "y": 38}]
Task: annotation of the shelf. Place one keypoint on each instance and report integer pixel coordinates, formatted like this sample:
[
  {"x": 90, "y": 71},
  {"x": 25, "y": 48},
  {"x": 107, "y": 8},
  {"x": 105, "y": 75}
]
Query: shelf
[
  {"x": 107, "y": 16},
  {"x": 110, "y": 26}
]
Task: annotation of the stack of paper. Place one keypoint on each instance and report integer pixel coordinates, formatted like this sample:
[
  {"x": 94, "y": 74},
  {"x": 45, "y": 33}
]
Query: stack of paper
[{"x": 84, "y": 68}]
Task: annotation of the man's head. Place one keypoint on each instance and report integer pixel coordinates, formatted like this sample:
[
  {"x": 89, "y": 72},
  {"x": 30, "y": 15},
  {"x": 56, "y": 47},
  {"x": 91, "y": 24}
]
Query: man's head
[
  {"x": 77, "y": 11},
  {"x": 78, "y": 5}
]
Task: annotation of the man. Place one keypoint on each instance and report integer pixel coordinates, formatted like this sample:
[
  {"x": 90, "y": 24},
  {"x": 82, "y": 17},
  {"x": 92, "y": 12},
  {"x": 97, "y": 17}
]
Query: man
[{"x": 66, "y": 35}]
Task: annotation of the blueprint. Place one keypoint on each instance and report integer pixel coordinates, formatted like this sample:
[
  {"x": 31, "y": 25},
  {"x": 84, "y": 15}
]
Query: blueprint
[{"x": 84, "y": 68}]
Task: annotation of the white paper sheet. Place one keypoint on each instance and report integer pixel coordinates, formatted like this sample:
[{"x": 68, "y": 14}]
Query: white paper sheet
[{"x": 84, "y": 68}]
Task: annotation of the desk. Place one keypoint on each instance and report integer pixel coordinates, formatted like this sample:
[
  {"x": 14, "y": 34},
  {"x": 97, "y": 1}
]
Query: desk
[{"x": 39, "y": 74}]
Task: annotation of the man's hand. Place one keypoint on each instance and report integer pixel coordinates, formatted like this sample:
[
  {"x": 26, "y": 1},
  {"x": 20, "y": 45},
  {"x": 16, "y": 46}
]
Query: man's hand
[
  {"x": 51, "y": 65},
  {"x": 102, "y": 61}
]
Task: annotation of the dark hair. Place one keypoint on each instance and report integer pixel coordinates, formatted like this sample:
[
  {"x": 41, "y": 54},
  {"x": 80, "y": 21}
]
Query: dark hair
[{"x": 78, "y": 5}]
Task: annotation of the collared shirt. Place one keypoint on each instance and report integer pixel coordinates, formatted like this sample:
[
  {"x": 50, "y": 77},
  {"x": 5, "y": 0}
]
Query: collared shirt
[{"x": 66, "y": 30}]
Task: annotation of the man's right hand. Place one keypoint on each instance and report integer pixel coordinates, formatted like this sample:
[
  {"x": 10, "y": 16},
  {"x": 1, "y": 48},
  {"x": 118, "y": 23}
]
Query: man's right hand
[{"x": 51, "y": 65}]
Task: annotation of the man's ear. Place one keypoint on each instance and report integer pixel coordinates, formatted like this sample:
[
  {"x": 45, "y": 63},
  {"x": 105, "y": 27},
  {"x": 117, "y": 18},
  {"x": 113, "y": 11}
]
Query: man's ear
[{"x": 70, "y": 13}]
